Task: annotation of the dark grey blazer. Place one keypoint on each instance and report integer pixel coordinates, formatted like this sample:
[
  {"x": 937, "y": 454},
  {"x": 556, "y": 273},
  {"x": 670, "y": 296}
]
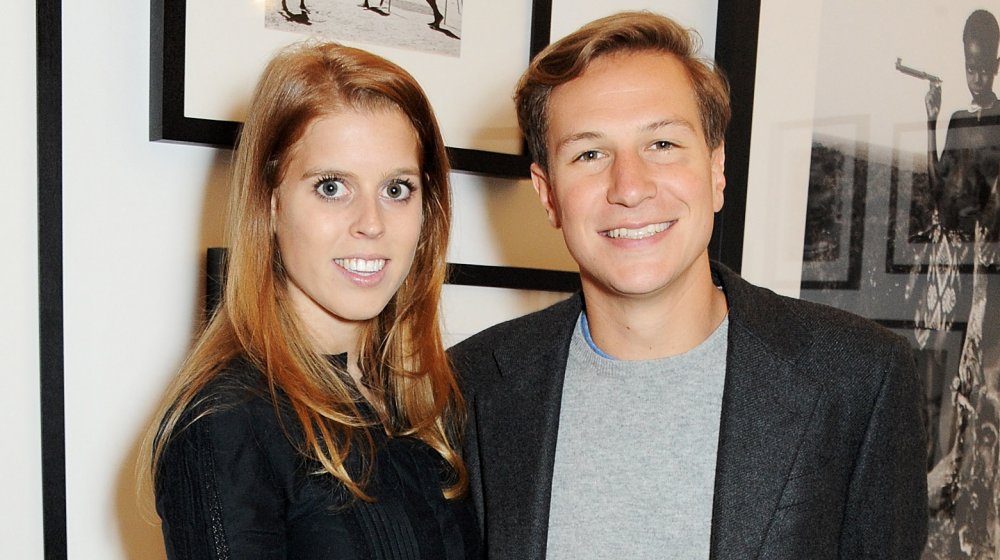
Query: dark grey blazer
[{"x": 821, "y": 445}]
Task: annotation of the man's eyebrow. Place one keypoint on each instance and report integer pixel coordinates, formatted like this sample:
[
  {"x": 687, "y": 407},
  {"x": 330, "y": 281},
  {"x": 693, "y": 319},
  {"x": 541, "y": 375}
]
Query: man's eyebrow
[
  {"x": 665, "y": 123},
  {"x": 650, "y": 127},
  {"x": 576, "y": 137}
]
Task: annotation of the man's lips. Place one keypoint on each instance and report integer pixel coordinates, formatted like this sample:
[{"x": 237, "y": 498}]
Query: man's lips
[{"x": 637, "y": 233}]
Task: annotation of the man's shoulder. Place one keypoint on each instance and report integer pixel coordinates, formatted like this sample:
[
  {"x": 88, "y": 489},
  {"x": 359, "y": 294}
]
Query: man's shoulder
[{"x": 797, "y": 323}]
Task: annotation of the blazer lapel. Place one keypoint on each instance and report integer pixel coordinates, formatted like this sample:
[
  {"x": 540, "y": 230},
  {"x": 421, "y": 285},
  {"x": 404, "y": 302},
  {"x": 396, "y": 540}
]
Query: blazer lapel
[
  {"x": 767, "y": 403},
  {"x": 517, "y": 435}
]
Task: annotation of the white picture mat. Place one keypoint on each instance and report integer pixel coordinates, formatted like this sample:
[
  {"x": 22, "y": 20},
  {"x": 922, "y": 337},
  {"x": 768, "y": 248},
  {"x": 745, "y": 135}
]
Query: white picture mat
[
  {"x": 781, "y": 144},
  {"x": 471, "y": 94}
]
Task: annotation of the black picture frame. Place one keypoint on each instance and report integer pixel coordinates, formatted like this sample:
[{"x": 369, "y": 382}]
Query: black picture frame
[
  {"x": 737, "y": 27},
  {"x": 510, "y": 277},
  {"x": 835, "y": 214},
  {"x": 735, "y": 54},
  {"x": 169, "y": 122}
]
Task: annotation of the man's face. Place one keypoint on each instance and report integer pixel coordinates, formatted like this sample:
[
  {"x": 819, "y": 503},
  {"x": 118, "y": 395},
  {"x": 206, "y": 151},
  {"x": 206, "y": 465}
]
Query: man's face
[
  {"x": 631, "y": 181},
  {"x": 980, "y": 67}
]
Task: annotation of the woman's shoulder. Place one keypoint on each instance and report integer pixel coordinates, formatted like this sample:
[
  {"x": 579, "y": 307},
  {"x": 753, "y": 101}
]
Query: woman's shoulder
[
  {"x": 235, "y": 405},
  {"x": 231, "y": 418},
  {"x": 238, "y": 385}
]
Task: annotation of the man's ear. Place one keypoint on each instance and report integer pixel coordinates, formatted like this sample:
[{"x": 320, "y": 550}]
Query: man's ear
[
  {"x": 718, "y": 176},
  {"x": 540, "y": 180}
]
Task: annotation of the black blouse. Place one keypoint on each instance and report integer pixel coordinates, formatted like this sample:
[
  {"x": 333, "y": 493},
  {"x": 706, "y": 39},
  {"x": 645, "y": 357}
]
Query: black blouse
[{"x": 231, "y": 485}]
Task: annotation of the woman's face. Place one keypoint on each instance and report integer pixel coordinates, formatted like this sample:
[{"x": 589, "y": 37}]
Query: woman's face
[{"x": 347, "y": 217}]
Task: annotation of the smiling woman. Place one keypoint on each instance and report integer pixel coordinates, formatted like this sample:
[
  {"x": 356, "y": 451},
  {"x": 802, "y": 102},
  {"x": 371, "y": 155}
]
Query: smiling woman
[{"x": 316, "y": 415}]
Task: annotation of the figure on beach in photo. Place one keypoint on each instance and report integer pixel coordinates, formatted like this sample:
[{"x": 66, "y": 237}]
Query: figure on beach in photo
[
  {"x": 385, "y": 7},
  {"x": 301, "y": 17}
]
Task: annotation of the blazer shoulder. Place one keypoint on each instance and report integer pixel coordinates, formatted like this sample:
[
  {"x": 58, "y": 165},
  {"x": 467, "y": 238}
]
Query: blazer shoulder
[
  {"x": 835, "y": 325},
  {"x": 825, "y": 340},
  {"x": 777, "y": 318}
]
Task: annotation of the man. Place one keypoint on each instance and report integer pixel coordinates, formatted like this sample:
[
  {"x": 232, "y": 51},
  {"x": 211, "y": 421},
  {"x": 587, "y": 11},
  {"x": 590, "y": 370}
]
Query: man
[
  {"x": 672, "y": 409},
  {"x": 963, "y": 180}
]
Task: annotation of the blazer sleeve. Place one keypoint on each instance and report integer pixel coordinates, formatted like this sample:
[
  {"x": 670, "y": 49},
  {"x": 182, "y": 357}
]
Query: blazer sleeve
[
  {"x": 217, "y": 493},
  {"x": 886, "y": 512}
]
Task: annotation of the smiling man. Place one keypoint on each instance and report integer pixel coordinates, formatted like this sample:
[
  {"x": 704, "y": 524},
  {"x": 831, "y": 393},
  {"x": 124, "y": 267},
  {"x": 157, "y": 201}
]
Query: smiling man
[{"x": 671, "y": 409}]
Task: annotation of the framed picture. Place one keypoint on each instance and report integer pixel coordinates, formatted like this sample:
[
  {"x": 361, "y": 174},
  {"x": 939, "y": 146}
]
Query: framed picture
[
  {"x": 207, "y": 56},
  {"x": 835, "y": 208},
  {"x": 503, "y": 277},
  {"x": 868, "y": 137},
  {"x": 557, "y": 279}
]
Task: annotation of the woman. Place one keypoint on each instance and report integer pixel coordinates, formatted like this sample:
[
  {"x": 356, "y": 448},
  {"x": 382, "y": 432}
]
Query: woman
[{"x": 316, "y": 416}]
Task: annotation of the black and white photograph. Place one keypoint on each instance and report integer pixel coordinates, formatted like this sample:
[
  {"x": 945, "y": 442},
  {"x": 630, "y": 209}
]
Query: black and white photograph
[
  {"x": 431, "y": 26},
  {"x": 923, "y": 92},
  {"x": 449, "y": 46},
  {"x": 833, "y": 239}
]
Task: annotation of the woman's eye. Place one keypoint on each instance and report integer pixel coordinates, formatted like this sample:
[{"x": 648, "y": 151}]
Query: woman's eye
[
  {"x": 398, "y": 190},
  {"x": 330, "y": 188}
]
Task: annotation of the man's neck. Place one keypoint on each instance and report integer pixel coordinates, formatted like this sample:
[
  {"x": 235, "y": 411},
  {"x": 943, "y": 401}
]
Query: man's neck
[{"x": 667, "y": 323}]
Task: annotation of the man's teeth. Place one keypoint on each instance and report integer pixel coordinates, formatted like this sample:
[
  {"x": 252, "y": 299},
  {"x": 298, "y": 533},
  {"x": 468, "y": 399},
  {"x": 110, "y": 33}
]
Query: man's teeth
[
  {"x": 640, "y": 233},
  {"x": 361, "y": 266}
]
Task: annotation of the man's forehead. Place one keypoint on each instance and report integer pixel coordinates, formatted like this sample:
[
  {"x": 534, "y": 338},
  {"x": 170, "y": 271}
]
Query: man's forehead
[{"x": 640, "y": 91}]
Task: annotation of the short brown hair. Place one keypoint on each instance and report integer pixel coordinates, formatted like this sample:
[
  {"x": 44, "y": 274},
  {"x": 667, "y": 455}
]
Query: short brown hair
[{"x": 569, "y": 57}]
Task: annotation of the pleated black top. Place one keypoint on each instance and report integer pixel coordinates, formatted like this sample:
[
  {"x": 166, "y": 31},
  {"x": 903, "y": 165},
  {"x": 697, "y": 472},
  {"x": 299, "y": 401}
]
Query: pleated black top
[{"x": 232, "y": 486}]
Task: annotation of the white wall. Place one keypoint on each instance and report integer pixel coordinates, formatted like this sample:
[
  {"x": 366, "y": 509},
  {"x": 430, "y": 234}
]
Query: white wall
[
  {"x": 137, "y": 218},
  {"x": 20, "y": 470},
  {"x": 137, "y": 215}
]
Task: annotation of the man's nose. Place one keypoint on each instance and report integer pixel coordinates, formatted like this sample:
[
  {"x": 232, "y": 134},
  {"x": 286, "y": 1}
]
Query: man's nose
[{"x": 631, "y": 182}]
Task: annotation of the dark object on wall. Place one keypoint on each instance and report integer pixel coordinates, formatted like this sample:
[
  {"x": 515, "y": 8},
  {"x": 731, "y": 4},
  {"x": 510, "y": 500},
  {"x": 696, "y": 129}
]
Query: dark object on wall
[
  {"x": 835, "y": 213},
  {"x": 510, "y": 277},
  {"x": 736, "y": 53},
  {"x": 51, "y": 363},
  {"x": 168, "y": 120}
]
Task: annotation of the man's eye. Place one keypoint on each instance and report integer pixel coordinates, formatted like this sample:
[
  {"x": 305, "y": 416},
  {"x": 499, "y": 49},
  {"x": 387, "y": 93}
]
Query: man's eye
[
  {"x": 329, "y": 187},
  {"x": 589, "y": 155},
  {"x": 398, "y": 190},
  {"x": 663, "y": 145}
]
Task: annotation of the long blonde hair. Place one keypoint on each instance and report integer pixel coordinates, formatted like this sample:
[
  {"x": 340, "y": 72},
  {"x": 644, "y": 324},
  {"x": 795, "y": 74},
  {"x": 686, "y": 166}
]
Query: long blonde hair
[{"x": 413, "y": 389}]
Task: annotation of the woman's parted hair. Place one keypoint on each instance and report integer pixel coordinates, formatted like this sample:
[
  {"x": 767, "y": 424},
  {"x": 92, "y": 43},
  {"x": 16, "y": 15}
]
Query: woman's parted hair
[
  {"x": 624, "y": 32},
  {"x": 402, "y": 354}
]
